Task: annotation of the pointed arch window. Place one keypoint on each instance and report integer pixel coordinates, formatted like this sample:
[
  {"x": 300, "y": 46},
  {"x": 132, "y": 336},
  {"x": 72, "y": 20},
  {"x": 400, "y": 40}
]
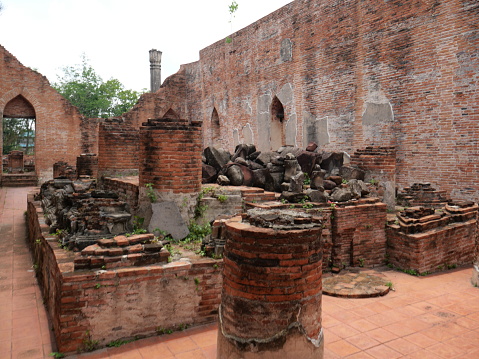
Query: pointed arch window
[
  {"x": 215, "y": 127},
  {"x": 278, "y": 121}
]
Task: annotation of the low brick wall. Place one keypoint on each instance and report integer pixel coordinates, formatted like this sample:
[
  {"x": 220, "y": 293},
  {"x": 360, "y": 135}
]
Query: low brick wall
[
  {"x": 121, "y": 303},
  {"x": 358, "y": 234},
  {"x": 433, "y": 250},
  {"x": 126, "y": 187}
]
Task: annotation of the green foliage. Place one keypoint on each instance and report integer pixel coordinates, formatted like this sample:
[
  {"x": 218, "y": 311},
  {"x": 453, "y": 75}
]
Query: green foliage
[
  {"x": 161, "y": 331},
  {"x": 410, "y": 272},
  {"x": 173, "y": 251},
  {"x": 197, "y": 232},
  {"x": 57, "y": 355},
  {"x": 344, "y": 181},
  {"x": 307, "y": 180},
  {"x": 222, "y": 198},
  {"x": 390, "y": 285},
  {"x": 19, "y": 134},
  {"x": 88, "y": 344},
  {"x": 97, "y": 286},
  {"x": 361, "y": 262},
  {"x": 373, "y": 181},
  {"x": 84, "y": 88},
  {"x": 118, "y": 343},
  {"x": 232, "y": 8},
  {"x": 201, "y": 208},
  {"x": 137, "y": 224},
  {"x": 150, "y": 192}
]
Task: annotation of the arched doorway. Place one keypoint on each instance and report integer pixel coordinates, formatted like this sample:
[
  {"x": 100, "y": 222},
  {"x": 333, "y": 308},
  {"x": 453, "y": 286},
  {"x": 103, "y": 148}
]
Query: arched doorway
[
  {"x": 215, "y": 127},
  {"x": 18, "y": 136},
  {"x": 277, "y": 135}
]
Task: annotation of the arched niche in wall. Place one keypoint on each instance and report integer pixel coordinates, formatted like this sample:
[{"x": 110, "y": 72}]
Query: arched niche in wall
[
  {"x": 171, "y": 114},
  {"x": 18, "y": 129},
  {"x": 215, "y": 127},
  {"x": 277, "y": 124}
]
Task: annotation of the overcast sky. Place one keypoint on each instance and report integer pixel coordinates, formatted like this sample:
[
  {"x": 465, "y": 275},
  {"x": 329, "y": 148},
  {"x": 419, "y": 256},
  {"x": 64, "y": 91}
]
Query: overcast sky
[{"x": 116, "y": 35}]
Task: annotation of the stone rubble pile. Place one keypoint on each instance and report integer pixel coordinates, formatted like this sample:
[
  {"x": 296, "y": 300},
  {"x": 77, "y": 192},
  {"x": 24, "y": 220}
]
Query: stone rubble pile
[
  {"x": 297, "y": 174},
  {"x": 420, "y": 219},
  {"x": 422, "y": 194},
  {"x": 80, "y": 213},
  {"x": 122, "y": 251}
]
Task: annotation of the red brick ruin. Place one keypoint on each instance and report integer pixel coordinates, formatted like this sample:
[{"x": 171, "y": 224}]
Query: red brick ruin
[{"x": 357, "y": 116}]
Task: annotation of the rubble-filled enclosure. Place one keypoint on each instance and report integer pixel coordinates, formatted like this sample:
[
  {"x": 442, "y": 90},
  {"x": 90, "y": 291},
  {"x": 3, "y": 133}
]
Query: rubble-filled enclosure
[
  {"x": 95, "y": 254},
  {"x": 318, "y": 109}
]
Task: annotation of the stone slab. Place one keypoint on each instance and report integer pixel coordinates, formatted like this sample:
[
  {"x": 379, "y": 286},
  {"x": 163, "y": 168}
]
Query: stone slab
[{"x": 166, "y": 216}]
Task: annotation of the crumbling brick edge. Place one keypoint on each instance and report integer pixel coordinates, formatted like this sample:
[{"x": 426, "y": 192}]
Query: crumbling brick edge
[{"x": 125, "y": 303}]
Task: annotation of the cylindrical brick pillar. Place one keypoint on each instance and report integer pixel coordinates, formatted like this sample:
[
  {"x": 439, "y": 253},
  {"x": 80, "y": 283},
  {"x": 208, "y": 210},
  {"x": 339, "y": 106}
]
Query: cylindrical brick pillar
[
  {"x": 271, "y": 299},
  {"x": 87, "y": 165},
  {"x": 170, "y": 155}
]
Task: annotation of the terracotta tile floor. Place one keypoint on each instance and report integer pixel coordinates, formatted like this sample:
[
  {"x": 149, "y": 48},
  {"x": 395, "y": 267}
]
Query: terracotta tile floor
[{"x": 425, "y": 317}]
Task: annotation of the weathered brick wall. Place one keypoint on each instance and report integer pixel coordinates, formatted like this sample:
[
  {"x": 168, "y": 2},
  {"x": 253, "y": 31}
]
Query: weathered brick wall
[
  {"x": 359, "y": 236},
  {"x": 170, "y": 97},
  {"x": 164, "y": 296},
  {"x": 352, "y": 74},
  {"x": 127, "y": 189},
  {"x": 87, "y": 165},
  {"x": 118, "y": 148},
  {"x": 58, "y": 135},
  {"x": 170, "y": 155},
  {"x": 378, "y": 163},
  {"x": 19, "y": 107},
  {"x": 434, "y": 250}
]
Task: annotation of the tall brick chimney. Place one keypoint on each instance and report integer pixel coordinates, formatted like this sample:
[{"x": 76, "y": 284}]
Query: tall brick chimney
[{"x": 155, "y": 70}]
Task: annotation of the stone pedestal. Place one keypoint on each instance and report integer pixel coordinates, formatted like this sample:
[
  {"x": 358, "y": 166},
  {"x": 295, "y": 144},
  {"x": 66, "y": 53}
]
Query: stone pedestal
[
  {"x": 271, "y": 299},
  {"x": 15, "y": 162}
]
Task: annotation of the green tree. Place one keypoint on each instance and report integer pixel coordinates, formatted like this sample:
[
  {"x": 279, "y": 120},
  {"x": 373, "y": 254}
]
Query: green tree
[
  {"x": 18, "y": 134},
  {"x": 84, "y": 88}
]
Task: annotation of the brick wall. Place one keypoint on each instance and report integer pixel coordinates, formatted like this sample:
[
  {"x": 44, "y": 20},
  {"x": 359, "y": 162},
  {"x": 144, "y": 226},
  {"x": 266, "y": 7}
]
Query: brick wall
[
  {"x": 127, "y": 189},
  {"x": 58, "y": 135},
  {"x": 170, "y": 97},
  {"x": 379, "y": 163},
  {"x": 87, "y": 165},
  {"x": 122, "y": 303},
  {"x": 351, "y": 74},
  {"x": 170, "y": 155},
  {"x": 358, "y": 233},
  {"x": 118, "y": 148},
  {"x": 432, "y": 251}
]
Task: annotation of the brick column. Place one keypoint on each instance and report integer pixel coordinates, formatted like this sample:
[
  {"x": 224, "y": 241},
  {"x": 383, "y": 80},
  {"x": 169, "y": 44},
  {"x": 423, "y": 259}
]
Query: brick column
[
  {"x": 170, "y": 155},
  {"x": 271, "y": 299}
]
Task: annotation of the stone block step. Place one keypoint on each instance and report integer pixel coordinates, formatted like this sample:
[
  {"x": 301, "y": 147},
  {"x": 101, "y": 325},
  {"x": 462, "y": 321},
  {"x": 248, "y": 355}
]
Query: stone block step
[{"x": 19, "y": 180}]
